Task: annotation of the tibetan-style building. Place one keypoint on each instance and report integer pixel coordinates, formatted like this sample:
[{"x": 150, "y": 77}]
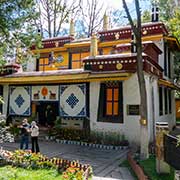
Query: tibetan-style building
[{"x": 96, "y": 79}]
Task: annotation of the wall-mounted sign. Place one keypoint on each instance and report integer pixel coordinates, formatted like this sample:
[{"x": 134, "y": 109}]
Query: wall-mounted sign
[{"x": 133, "y": 109}]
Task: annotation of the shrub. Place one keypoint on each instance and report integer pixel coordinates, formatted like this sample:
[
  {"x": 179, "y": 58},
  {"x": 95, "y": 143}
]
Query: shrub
[{"x": 5, "y": 135}]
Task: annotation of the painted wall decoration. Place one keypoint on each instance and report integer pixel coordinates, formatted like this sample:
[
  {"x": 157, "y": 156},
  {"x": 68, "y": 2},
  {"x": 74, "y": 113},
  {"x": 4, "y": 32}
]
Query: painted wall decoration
[
  {"x": 45, "y": 93},
  {"x": 20, "y": 100},
  {"x": 73, "y": 100}
]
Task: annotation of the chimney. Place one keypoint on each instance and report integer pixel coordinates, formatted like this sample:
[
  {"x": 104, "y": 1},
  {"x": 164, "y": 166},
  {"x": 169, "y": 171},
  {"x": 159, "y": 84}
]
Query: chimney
[
  {"x": 133, "y": 43},
  {"x": 93, "y": 48},
  {"x": 71, "y": 29},
  {"x": 105, "y": 22},
  {"x": 155, "y": 13}
]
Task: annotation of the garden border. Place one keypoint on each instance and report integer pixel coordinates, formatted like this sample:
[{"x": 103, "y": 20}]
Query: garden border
[
  {"x": 136, "y": 168},
  {"x": 100, "y": 146}
]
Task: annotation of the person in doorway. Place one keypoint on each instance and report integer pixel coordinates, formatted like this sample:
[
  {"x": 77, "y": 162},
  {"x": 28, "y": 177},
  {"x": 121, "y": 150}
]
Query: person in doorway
[
  {"x": 24, "y": 134},
  {"x": 34, "y": 137},
  {"x": 50, "y": 116}
]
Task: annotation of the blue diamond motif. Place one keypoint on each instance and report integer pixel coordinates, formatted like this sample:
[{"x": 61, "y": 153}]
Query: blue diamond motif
[
  {"x": 19, "y": 101},
  {"x": 72, "y": 100}
]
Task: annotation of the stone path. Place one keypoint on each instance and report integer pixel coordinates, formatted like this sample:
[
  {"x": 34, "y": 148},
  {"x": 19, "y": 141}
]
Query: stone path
[{"x": 105, "y": 163}]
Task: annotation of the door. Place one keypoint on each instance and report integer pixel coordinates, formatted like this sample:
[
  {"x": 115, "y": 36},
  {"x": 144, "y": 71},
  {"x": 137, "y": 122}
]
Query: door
[{"x": 47, "y": 112}]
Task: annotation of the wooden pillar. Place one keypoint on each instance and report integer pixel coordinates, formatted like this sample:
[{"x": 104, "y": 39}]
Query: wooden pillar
[
  {"x": 94, "y": 46},
  {"x": 33, "y": 108},
  {"x": 161, "y": 130}
]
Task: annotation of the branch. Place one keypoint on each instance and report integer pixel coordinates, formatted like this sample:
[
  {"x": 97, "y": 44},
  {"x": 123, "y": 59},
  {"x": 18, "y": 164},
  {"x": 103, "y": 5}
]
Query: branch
[
  {"x": 129, "y": 17},
  {"x": 138, "y": 12}
]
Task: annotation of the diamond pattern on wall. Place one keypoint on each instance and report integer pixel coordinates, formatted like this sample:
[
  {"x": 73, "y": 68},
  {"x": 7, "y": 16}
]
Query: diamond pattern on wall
[
  {"x": 20, "y": 100},
  {"x": 73, "y": 100}
]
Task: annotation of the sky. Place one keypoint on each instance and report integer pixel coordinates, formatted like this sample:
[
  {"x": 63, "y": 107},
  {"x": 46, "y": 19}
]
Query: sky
[{"x": 117, "y": 4}]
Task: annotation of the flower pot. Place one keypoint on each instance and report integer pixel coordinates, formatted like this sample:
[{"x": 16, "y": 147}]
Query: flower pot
[
  {"x": 57, "y": 140},
  {"x": 46, "y": 138}
]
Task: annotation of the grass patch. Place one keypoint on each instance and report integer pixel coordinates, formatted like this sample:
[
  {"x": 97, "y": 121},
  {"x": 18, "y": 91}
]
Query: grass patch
[
  {"x": 14, "y": 173},
  {"x": 149, "y": 167},
  {"x": 178, "y": 120},
  {"x": 126, "y": 164}
]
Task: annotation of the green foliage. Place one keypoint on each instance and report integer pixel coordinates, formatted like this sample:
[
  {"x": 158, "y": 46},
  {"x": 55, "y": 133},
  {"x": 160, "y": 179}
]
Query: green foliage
[
  {"x": 14, "y": 173},
  {"x": 149, "y": 167},
  {"x": 57, "y": 125},
  {"x": 14, "y": 130},
  {"x": 170, "y": 15},
  {"x": 166, "y": 9},
  {"x": 106, "y": 138},
  {"x": 146, "y": 16},
  {"x": 17, "y": 28}
]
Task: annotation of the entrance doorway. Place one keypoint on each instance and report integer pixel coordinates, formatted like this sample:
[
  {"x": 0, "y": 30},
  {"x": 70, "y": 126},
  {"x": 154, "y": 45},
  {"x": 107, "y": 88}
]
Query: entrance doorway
[{"x": 47, "y": 112}]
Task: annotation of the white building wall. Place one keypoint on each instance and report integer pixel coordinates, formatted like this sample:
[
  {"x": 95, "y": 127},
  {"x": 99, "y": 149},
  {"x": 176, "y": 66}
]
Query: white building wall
[
  {"x": 160, "y": 44},
  {"x": 5, "y": 98},
  {"x": 130, "y": 126},
  {"x": 170, "y": 118}
]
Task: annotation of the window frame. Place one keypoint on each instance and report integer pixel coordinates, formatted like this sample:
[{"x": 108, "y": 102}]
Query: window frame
[
  {"x": 161, "y": 104},
  {"x": 102, "y": 117}
]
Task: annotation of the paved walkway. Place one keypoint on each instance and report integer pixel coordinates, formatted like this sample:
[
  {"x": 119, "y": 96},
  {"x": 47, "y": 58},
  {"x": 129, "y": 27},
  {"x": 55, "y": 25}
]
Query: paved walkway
[{"x": 105, "y": 163}]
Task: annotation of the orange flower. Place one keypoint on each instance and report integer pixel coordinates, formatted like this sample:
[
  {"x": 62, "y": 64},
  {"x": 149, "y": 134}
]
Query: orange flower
[
  {"x": 65, "y": 176},
  {"x": 71, "y": 170}
]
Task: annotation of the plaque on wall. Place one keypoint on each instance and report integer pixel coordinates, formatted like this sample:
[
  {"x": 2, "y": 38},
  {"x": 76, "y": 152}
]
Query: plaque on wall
[{"x": 133, "y": 110}]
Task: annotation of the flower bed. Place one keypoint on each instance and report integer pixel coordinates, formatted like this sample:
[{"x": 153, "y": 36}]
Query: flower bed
[
  {"x": 106, "y": 140},
  {"x": 27, "y": 159}
]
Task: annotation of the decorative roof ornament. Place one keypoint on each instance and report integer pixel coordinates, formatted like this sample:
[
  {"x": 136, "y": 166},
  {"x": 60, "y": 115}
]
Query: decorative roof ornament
[
  {"x": 93, "y": 48},
  {"x": 117, "y": 35},
  {"x": 155, "y": 13},
  {"x": 18, "y": 54},
  {"x": 105, "y": 22},
  {"x": 71, "y": 29}
]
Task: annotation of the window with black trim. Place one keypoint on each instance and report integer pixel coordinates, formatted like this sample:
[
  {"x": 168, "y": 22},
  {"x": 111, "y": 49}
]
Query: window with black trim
[
  {"x": 170, "y": 101},
  {"x": 111, "y": 102},
  {"x": 169, "y": 63},
  {"x": 167, "y": 60},
  {"x": 166, "y": 100},
  {"x": 1, "y": 94},
  {"x": 112, "y": 99},
  {"x": 160, "y": 101}
]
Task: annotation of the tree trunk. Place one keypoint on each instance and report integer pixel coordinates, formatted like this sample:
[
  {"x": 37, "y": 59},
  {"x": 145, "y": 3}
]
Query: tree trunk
[
  {"x": 143, "y": 102},
  {"x": 144, "y": 139}
]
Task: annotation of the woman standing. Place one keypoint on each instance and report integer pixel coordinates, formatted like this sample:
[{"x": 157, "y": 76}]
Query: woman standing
[{"x": 34, "y": 137}]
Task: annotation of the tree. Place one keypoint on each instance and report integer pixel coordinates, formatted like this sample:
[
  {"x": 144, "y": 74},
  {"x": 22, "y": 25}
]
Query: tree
[
  {"x": 166, "y": 9},
  {"x": 17, "y": 27},
  {"x": 54, "y": 14},
  {"x": 141, "y": 80},
  {"x": 146, "y": 16},
  {"x": 170, "y": 14},
  {"x": 92, "y": 15}
]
